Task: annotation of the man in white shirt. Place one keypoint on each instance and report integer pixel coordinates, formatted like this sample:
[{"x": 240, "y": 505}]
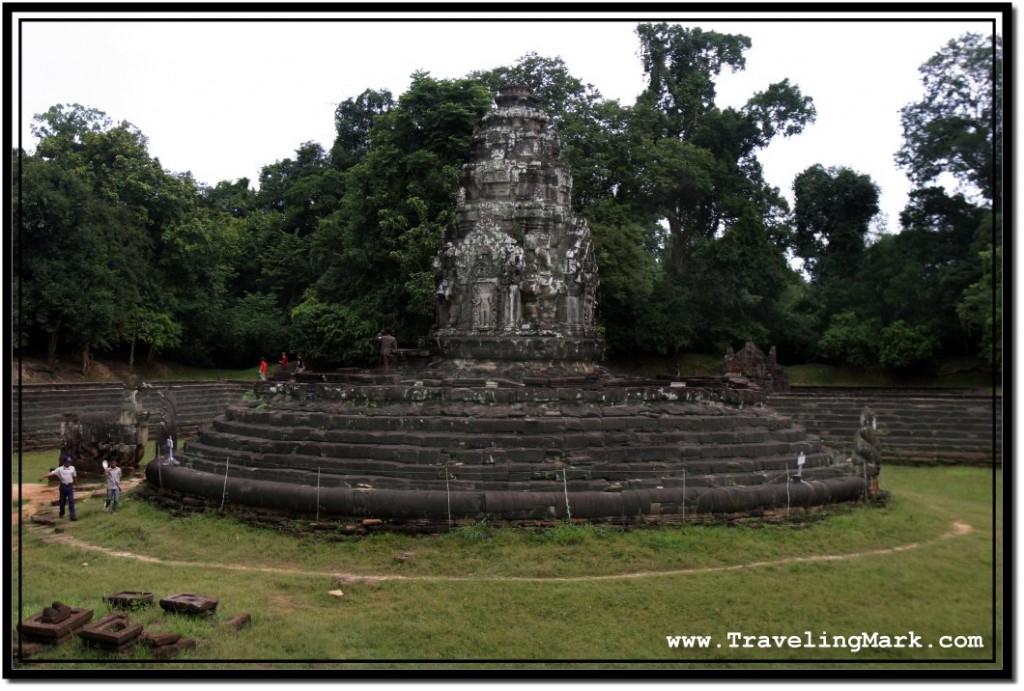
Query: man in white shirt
[
  {"x": 68, "y": 478},
  {"x": 113, "y": 474}
]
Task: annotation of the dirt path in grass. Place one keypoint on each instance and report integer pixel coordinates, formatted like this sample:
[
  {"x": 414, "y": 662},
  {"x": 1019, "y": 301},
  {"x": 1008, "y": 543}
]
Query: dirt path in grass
[
  {"x": 36, "y": 496},
  {"x": 957, "y": 528},
  {"x": 33, "y": 497}
]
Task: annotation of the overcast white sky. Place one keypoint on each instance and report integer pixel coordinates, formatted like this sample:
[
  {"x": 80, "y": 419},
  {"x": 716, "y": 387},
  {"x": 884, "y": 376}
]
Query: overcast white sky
[{"x": 224, "y": 98}]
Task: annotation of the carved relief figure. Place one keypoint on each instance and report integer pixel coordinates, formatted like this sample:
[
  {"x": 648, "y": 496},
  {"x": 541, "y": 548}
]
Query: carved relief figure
[{"x": 483, "y": 306}]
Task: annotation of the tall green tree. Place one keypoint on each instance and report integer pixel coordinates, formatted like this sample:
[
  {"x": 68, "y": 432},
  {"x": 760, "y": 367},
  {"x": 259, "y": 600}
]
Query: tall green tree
[
  {"x": 48, "y": 208},
  {"x": 701, "y": 172},
  {"x": 955, "y": 132},
  {"x": 687, "y": 170},
  {"x": 88, "y": 203},
  {"x": 112, "y": 249},
  {"x": 373, "y": 256},
  {"x": 353, "y": 120},
  {"x": 833, "y": 213},
  {"x": 957, "y": 128}
]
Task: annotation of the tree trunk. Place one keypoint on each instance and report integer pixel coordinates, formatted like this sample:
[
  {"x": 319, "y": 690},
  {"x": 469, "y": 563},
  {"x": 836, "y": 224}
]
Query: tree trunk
[
  {"x": 680, "y": 242},
  {"x": 51, "y": 350},
  {"x": 86, "y": 360},
  {"x": 131, "y": 355},
  {"x": 151, "y": 357}
]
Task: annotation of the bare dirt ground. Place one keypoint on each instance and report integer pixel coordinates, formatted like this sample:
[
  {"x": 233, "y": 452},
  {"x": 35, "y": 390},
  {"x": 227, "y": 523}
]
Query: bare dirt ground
[{"x": 33, "y": 497}]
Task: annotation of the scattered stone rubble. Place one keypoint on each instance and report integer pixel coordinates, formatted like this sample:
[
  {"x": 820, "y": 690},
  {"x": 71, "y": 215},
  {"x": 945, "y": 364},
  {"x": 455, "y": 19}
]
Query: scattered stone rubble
[{"x": 115, "y": 632}]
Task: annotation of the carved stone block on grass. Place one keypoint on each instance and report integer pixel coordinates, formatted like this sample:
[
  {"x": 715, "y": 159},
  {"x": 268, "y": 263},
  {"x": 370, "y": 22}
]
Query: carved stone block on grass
[
  {"x": 158, "y": 639},
  {"x": 173, "y": 649},
  {"x": 129, "y": 599},
  {"x": 113, "y": 632},
  {"x": 189, "y": 603},
  {"x": 56, "y": 624}
]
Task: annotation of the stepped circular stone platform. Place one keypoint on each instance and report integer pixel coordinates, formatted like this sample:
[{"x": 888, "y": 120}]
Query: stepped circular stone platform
[{"x": 434, "y": 453}]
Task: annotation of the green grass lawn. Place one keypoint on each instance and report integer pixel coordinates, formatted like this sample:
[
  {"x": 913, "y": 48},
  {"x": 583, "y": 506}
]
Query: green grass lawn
[{"x": 574, "y": 597}]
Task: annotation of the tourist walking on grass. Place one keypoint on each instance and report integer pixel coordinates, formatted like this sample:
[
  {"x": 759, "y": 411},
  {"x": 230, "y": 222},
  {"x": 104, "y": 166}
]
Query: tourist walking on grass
[
  {"x": 113, "y": 474},
  {"x": 68, "y": 479},
  {"x": 284, "y": 362},
  {"x": 263, "y": 369}
]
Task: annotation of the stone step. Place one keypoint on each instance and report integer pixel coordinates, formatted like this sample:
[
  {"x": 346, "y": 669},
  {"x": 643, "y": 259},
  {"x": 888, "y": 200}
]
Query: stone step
[
  {"x": 331, "y": 473},
  {"x": 314, "y": 454},
  {"x": 409, "y": 434},
  {"x": 496, "y": 420},
  {"x": 979, "y": 431},
  {"x": 909, "y": 418}
]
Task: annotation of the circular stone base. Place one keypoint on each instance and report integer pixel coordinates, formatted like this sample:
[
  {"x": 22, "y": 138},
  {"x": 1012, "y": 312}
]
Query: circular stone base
[{"x": 441, "y": 450}]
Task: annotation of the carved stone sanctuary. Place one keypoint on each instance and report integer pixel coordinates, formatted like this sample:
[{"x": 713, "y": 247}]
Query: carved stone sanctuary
[{"x": 517, "y": 421}]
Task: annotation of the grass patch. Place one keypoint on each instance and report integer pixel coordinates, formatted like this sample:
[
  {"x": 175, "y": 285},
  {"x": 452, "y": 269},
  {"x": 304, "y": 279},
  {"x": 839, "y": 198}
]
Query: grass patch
[
  {"x": 569, "y": 597},
  {"x": 32, "y": 464}
]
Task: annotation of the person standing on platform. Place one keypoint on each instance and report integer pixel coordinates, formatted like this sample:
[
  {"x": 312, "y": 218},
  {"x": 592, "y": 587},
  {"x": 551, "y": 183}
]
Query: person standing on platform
[{"x": 387, "y": 348}]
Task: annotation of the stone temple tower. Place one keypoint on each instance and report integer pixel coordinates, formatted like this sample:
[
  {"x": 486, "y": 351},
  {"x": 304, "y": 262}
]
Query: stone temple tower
[
  {"x": 516, "y": 273},
  {"x": 517, "y": 422}
]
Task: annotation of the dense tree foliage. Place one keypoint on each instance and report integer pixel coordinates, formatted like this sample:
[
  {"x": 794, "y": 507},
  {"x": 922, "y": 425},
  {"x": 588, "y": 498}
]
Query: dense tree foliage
[
  {"x": 373, "y": 256},
  {"x": 957, "y": 128},
  {"x": 695, "y": 249},
  {"x": 956, "y": 132}
]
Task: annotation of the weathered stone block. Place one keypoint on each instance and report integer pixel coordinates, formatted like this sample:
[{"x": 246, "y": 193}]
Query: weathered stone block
[
  {"x": 188, "y": 603},
  {"x": 36, "y": 628},
  {"x": 172, "y": 649},
  {"x": 129, "y": 598},
  {"x": 112, "y": 631}
]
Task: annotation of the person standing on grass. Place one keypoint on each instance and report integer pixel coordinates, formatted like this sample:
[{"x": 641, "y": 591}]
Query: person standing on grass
[
  {"x": 113, "y": 474},
  {"x": 263, "y": 369},
  {"x": 284, "y": 361},
  {"x": 68, "y": 479}
]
